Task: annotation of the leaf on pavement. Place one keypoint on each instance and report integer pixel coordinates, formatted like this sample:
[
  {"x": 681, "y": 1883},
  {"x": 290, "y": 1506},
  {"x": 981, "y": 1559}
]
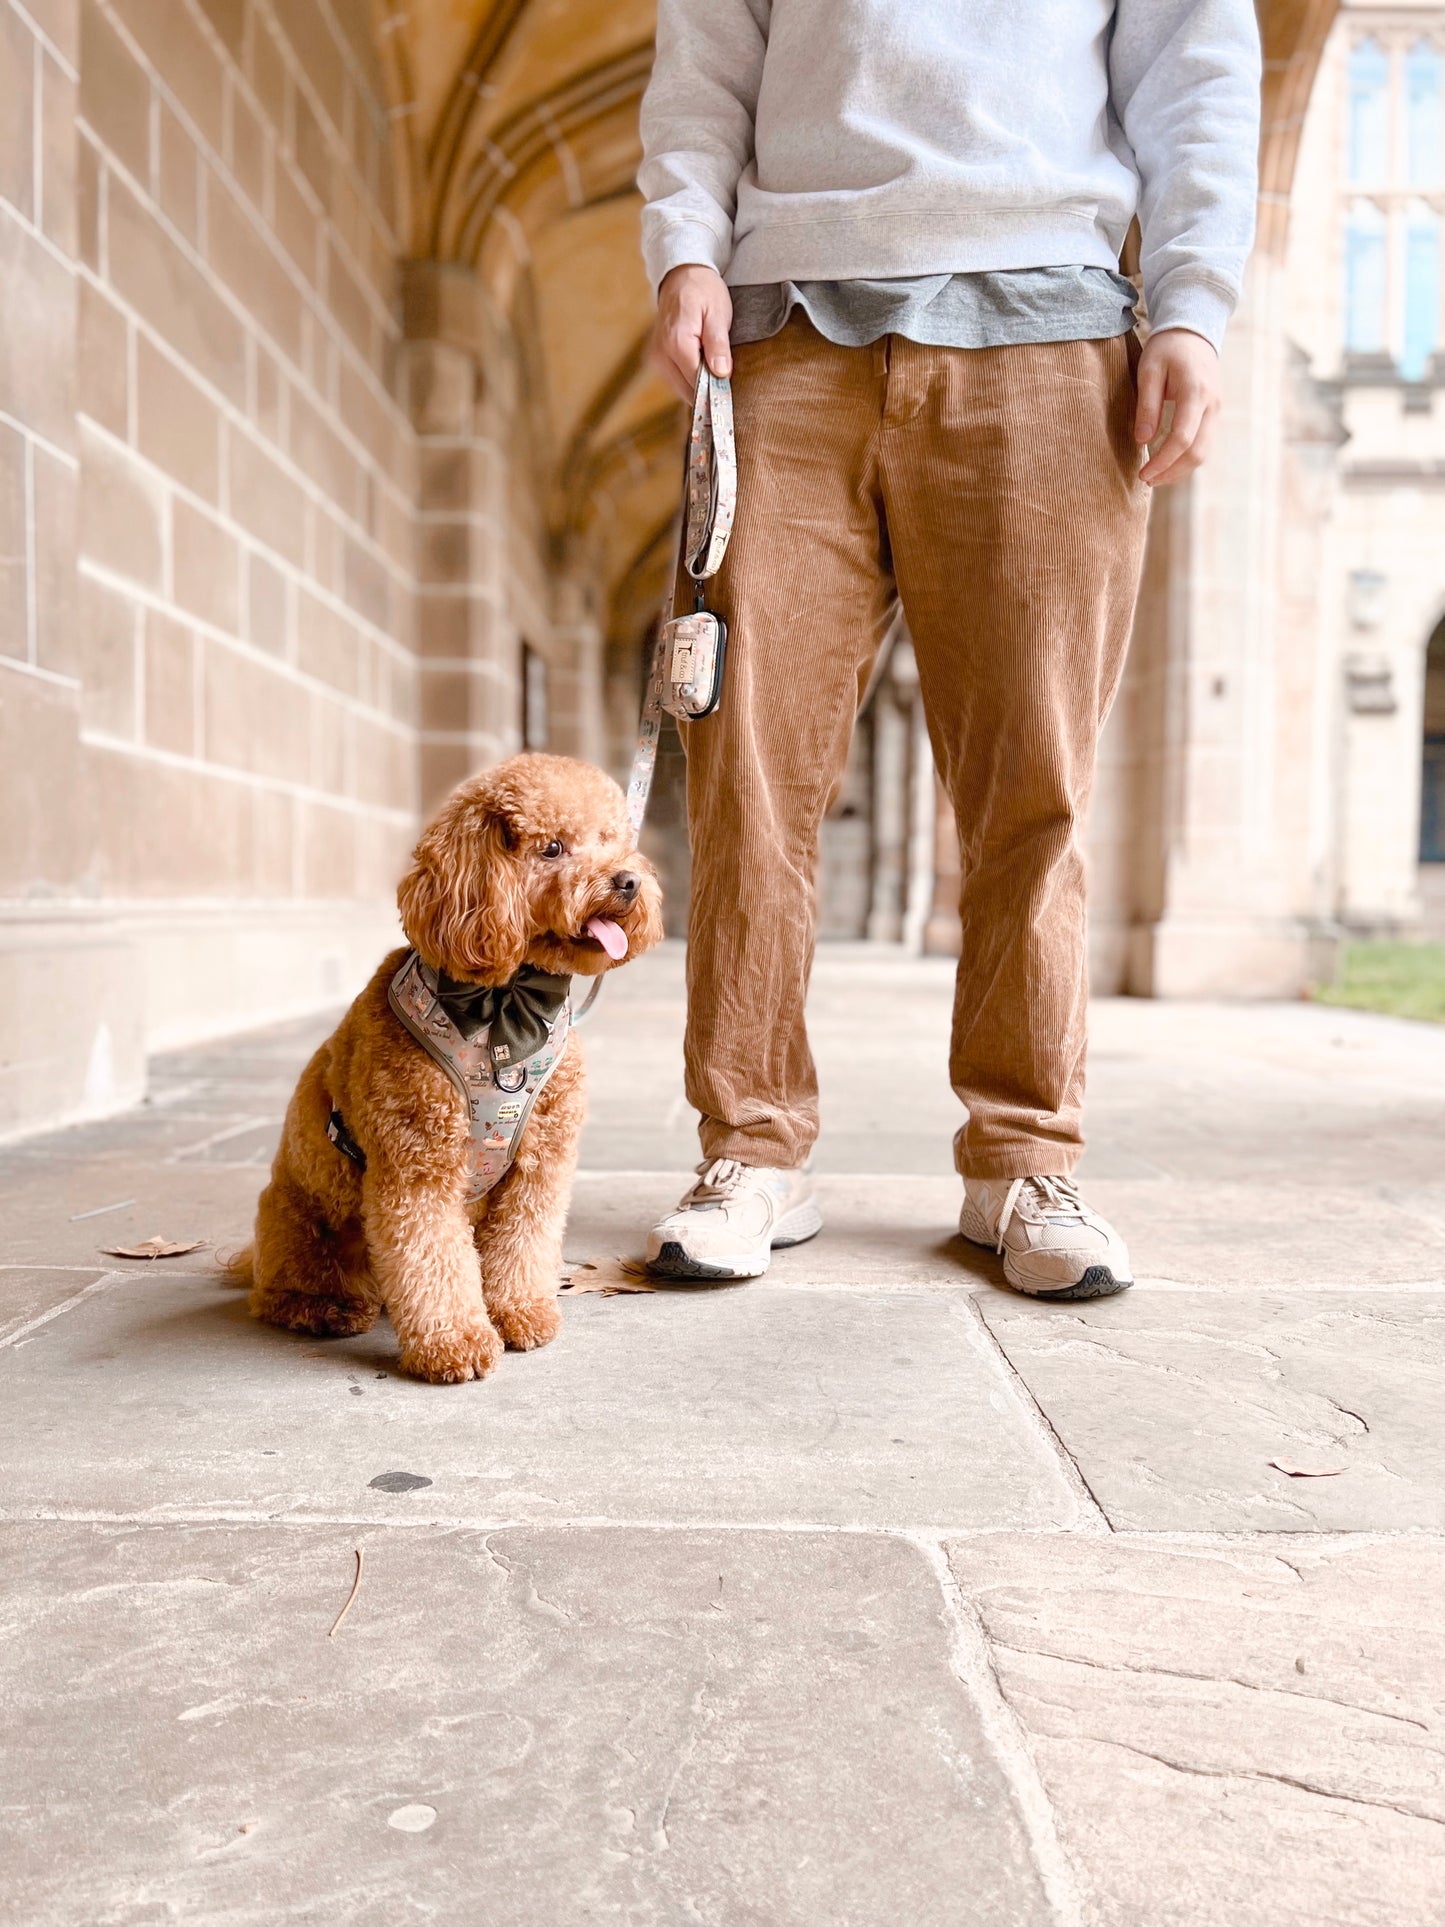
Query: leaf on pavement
[
  {"x": 635, "y": 1278},
  {"x": 155, "y": 1248},
  {"x": 1293, "y": 1471}
]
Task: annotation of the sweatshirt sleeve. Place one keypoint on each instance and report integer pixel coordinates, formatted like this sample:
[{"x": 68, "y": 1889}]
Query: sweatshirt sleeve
[
  {"x": 1184, "y": 80},
  {"x": 697, "y": 128}
]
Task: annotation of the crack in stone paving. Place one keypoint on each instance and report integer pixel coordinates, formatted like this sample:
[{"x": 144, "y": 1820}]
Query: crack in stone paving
[
  {"x": 1095, "y": 1519},
  {"x": 1055, "y": 1347},
  {"x": 1279, "y": 1779},
  {"x": 1204, "y": 1679}
]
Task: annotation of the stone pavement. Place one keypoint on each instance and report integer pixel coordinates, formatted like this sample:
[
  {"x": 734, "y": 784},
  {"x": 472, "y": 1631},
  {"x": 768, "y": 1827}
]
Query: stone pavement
[{"x": 867, "y": 1594}]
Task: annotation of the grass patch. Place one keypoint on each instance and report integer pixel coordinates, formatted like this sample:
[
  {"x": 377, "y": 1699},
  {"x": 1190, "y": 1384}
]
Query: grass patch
[{"x": 1399, "y": 979}]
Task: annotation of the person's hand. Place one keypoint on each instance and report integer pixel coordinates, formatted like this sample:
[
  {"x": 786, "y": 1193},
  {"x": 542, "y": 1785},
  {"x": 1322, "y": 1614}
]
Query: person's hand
[
  {"x": 694, "y": 313},
  {"x": 1179, "y": 367}
]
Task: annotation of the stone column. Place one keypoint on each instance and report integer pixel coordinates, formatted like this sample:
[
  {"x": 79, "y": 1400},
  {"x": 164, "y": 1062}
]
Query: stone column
[
  {"x": 1225, "y": 672},
  {"x": 575, "y": 682},
  {"x": 461, "y": 391},
  {"x": 942, "y": 930}
]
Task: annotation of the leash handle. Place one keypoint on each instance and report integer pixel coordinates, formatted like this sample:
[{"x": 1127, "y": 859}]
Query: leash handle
[
  {"x": 709, "y": 509},
  {"x": 712, "y": 475}
]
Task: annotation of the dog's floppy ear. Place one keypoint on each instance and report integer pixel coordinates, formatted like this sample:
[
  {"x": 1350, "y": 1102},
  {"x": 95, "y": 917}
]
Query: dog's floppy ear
[{"x": 462, "y": 903}]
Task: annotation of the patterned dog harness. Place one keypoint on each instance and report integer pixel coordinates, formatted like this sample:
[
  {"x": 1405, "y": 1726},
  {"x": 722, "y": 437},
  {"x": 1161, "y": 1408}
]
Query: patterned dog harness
[{"x": 499, "y": 1097}]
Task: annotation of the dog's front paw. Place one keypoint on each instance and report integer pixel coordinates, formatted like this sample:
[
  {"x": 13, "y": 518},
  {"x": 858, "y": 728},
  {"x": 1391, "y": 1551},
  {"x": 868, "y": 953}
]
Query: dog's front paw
[
  {"x": 452, "y": 1355},
  {"x": 525, "y": 1326}
]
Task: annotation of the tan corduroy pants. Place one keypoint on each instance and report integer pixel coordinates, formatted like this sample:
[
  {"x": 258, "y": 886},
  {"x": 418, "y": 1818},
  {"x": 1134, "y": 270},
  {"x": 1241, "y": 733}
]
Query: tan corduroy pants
[{"x": 996, "y": 491}]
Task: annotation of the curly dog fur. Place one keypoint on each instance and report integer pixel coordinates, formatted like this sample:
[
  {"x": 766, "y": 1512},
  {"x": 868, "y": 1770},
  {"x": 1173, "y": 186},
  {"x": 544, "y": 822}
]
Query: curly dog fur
[{"x": 460, "y": 1280}]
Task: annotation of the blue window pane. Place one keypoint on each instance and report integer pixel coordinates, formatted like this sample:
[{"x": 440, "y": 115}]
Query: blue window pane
[
  {"x": 1422, "y": 292},
  {"x": 1425, "y": 114},
  {"x": 1366, "y": 279},
  {"x": 1369, "y": 112}
]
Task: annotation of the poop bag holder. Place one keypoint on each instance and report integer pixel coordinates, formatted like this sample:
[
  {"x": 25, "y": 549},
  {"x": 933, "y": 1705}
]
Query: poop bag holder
[{"x": 687, "y": 661}]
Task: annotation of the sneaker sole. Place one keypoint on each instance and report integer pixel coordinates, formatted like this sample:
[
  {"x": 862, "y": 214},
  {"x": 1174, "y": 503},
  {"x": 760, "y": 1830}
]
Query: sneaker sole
[
  {"x": 1097, "y": 1282},
  {"x": 795, "y": 1228}
]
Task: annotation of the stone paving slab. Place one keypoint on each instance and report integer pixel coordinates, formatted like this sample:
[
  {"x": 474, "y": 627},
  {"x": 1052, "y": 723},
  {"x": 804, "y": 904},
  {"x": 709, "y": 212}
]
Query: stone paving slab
[
  {"x": 27, "y": 1293},
  {"x": 173, "y": 1200},
  {"x": 160, "y": 1395},
  {"x": 661, "y": 1729},
  {"x": 1228, "y": 1731},
  {"x": 1251, "y": 1235},
  {"x": 1173, "y": 1405},
  {"x": 1250, "y": 1734}
]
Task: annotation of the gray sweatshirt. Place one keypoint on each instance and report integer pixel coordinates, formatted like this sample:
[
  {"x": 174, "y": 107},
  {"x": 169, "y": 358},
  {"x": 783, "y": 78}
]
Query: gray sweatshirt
[{"x": 832, "y": 140}]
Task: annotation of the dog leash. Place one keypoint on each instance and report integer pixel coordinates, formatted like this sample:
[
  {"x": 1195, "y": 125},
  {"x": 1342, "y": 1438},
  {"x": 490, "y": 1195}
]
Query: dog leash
[
  {"x": 710, "y": 506},
  {"x": 707, "y": 522}
]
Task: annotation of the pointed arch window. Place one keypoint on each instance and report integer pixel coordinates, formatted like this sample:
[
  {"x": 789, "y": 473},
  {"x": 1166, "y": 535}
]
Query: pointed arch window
[
  {"x": 1425, "y": 115},
  {"x": 1369, "y": 112},
  {"x": 1366, "y": 279},
  {"x": 1422, "y": 289}
]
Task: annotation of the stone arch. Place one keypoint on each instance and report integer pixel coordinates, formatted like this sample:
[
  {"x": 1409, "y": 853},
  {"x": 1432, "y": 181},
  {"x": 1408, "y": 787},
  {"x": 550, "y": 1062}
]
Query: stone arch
[{"x": 1292, "y": 35}]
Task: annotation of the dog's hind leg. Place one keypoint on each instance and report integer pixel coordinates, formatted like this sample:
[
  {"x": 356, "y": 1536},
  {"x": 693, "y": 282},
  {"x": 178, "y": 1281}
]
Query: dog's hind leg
[{"x": 309, "y": 1275}]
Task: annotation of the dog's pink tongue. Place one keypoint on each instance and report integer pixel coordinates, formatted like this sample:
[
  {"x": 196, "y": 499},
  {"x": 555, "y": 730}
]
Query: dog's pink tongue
[{"x": 611, "y": 936}]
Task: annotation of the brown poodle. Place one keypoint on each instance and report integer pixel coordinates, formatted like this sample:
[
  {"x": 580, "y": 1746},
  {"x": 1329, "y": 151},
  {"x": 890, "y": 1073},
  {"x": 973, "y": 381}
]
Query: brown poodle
[{"x": 529, "y": 864}]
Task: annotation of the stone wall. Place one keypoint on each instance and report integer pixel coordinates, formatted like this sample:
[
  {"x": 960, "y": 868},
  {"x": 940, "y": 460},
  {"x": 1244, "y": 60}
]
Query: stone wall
[{"x": 208, "y": 699}]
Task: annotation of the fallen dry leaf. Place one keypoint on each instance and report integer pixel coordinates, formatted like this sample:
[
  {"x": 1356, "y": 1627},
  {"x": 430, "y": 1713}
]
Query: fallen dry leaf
[
  {"x": 155, "y": 1248},
  {"x": 636, "y": 1278},
  {"x": 604, "y": 1287},
  {"x": 1293, "y": 1471}
]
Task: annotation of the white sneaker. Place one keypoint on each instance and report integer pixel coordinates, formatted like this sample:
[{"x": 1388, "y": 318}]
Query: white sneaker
[
  {"x": 1053, "y": 1244},
  {"x": 730, "y": 1221}
]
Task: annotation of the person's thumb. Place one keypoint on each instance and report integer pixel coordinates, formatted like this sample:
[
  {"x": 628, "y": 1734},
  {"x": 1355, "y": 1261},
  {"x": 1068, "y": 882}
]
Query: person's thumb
[{"x": 715, "y": 344}]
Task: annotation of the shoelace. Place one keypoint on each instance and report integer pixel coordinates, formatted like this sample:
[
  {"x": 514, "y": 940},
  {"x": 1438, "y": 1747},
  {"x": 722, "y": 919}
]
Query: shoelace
[
  {"x": 719, "y": 1181},
  {"x": 1061, "y": 1194}
]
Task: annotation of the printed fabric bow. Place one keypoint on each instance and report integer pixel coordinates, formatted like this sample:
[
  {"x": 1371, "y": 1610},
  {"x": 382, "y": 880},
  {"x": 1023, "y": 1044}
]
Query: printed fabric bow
[{"x": 515, "y": 1015}]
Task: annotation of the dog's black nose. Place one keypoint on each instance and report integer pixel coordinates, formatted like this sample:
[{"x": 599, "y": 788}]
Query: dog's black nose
[{"x": 626, "y": 884}]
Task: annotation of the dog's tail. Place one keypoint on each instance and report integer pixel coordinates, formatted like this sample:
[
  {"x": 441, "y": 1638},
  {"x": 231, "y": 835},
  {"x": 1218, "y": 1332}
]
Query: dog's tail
[{"x": 240, "y": 1268}]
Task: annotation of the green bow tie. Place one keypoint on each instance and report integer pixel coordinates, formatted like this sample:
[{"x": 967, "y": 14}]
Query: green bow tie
[{"x": 516, "y": 1016}]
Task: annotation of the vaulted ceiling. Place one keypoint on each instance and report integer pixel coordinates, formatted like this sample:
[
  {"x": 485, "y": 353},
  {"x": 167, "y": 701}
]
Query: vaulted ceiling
[{"x": 518, "y": 122}]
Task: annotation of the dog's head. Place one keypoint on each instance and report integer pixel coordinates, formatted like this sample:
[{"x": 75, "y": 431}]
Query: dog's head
[{"x": 530, "y": 862}]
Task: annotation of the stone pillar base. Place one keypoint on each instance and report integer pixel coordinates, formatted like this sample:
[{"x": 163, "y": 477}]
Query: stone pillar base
[
  {"x": 1181, "y": 958},
  {"x": 88, "y": 990}
]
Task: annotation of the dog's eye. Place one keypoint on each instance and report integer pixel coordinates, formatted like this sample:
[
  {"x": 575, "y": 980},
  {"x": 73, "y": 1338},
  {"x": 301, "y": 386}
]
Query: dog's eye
[{"x": 554, "y": 848}]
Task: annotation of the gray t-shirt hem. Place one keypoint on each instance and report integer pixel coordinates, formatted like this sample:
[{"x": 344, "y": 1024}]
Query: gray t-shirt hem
[{"x": 989, "y": 310}]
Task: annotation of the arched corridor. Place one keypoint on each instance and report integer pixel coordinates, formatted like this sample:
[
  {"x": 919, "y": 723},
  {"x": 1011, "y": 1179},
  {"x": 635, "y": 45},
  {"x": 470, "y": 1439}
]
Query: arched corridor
[{"x": 339, "y": 470}]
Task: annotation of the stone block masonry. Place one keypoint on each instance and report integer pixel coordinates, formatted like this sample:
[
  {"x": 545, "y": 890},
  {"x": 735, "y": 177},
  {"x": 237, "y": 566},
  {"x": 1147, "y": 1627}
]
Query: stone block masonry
[{"x": 210, "y": 693}]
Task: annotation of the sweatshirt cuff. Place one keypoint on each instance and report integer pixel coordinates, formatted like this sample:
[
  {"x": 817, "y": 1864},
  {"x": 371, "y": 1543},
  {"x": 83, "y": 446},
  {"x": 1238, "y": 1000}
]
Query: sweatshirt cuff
[
  {"x": 683, "y": 244},
  {"x": 1199, "y": 306}
]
